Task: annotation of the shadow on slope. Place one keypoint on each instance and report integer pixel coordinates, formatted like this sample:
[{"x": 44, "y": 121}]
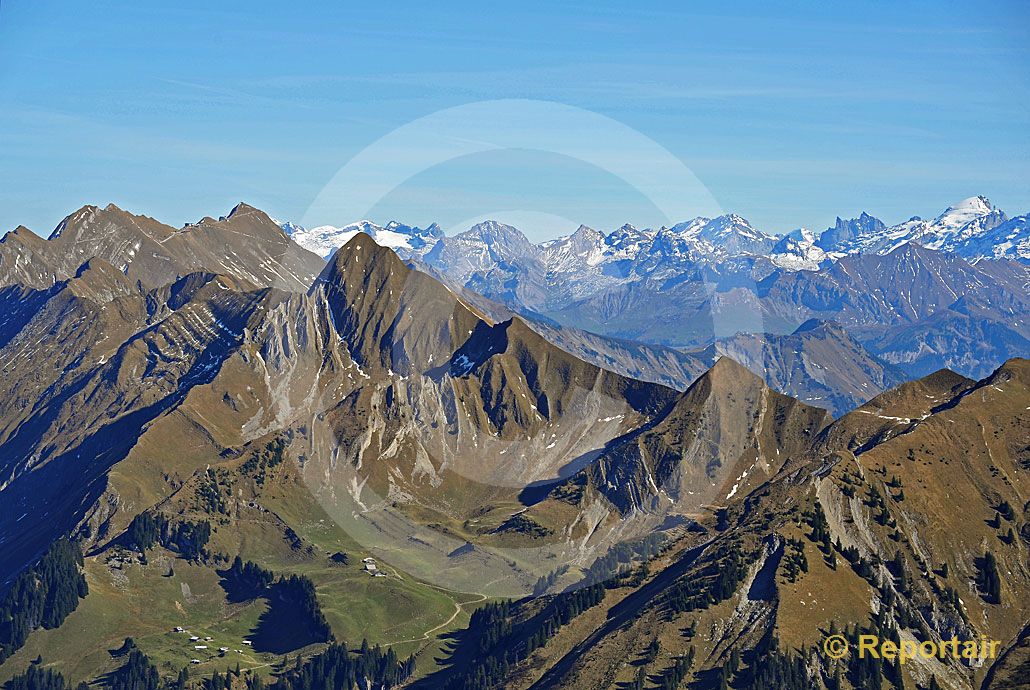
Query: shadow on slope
[{"x": 293, "y": 618}]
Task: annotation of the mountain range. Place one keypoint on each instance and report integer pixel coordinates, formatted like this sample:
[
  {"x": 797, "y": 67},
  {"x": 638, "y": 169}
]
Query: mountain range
[
  {"x": 221, "y": 452},
  {"x": 920, "y": 295},
  {"x": 973, "y": 229}
]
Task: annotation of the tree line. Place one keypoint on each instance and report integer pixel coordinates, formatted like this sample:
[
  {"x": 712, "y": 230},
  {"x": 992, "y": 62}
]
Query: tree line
[{"x": 42, "y": 596}]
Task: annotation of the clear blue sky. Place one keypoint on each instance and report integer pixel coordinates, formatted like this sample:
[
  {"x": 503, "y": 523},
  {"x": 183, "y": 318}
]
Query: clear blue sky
[{"x": 790, "y": 114}]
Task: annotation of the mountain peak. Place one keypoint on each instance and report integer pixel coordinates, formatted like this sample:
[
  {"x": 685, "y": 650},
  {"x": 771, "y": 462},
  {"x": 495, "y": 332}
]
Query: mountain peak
[
  {"x": 910, "y": 249},
  {"x": 393, "y": 318},
  {"x": 1010, "y": 239},
  {"x": 243, "y": 209},
  {"x": 493, "y": 226},
  {"x": 239, "y": 211},
  {"x": 358, "y": 255},
  {"x": 801, "y": 234},
  {"x": 727, "y": 223},
  {"x": 846, "y": 231},
  {"x": 690, "y": 228},
  {"x": 821, "y": 326},
  {"x": 734, "y": 234},
  {"x": 628, "y": 232},
  {"x": 1017, "y": 368},
  {"x": 492, "y": 231},
  {"x": 727, "y": 369},
  {"x": 968, "y": 218},
  {"x": 810, "y": 325},
  {"x": 367, "y": 226},
  {"x": 72, "y": 219},
  {"x": 22, "y": 233},
  {"x": 978, "y": 205},
  {"x": 324, "y": 240},
  {"x": 99, "y": 280},
  {"x": 586, "y": 237},
  {"x": 798, "y": 250}
]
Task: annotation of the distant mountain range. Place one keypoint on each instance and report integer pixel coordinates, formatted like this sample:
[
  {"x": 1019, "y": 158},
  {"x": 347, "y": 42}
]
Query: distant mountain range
[
  {"x": 973, "y": 229},
  {"x": 221, "y": 452},
  {"x": 920, "y": 295},
  {"x": 326, "y": 239}
]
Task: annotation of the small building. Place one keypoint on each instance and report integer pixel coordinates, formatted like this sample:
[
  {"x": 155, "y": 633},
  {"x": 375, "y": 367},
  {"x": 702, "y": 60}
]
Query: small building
[
  {"x": 200, "y": 646},
  {"x": 248, "y": 643},
  {"x": 194, "y": 661},
  {"x": 178, "y": 629},
  {"x": 193, "y": 638}
]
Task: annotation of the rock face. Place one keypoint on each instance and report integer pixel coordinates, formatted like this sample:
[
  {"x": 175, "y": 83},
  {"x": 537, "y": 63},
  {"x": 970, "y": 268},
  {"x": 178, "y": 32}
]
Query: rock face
[
  {"x": 726, "y": 433},
  {"x": 847, "y": 231}
]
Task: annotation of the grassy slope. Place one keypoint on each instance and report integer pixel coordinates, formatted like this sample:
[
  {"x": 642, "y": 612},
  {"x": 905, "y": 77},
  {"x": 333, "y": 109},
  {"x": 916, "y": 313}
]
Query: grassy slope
[{"x": 139, "y": 601}]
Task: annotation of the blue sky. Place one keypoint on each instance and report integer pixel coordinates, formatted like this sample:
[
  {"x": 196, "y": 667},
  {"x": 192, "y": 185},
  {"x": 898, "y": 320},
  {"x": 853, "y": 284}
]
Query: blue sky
[{"x": 788, "y": 113}]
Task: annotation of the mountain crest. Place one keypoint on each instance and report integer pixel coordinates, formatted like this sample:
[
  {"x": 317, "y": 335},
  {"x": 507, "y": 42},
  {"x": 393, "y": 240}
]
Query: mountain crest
[
  {"x": 391, "y": 317},
  {"x": 974, "y": 205},
  {"x": 244, "y": 209},
  {"x": 357, "y": 259},
  {"x": 492, "y": 231},
  {"x": 727, "y": 370}
]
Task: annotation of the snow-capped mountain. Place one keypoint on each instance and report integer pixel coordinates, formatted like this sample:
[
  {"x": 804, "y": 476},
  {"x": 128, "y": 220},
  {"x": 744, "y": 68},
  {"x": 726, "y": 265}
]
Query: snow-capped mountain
[
  {"x": 326, "y": 239},
  {"x": 586, "y": 247},
  {"x": 969, "y": 218},
  {"x": 798, "y": 250},
  {"x": 627, "y": 242},
  {"x": 734, "y": 235},
  {"x": 958, "y": 225},
  {"x": 673, "y": 251},
  {"x": 482, "y": 247}
]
